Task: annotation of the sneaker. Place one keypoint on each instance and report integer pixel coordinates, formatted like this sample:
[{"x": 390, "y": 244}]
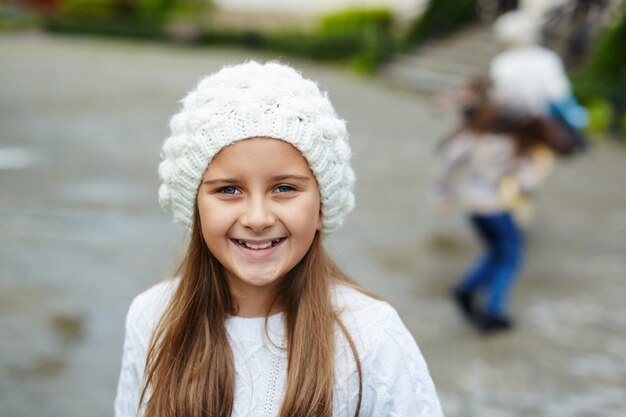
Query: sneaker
[
  {"x": 488, "y": 323},
  {"x": 465, "y": 302}
]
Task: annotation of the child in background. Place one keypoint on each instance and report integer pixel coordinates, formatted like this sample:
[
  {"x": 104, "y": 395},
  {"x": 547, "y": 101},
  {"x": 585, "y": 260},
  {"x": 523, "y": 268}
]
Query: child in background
[
  {"x": 504, "y": 161},
  {"x": 259, "y": 321}
]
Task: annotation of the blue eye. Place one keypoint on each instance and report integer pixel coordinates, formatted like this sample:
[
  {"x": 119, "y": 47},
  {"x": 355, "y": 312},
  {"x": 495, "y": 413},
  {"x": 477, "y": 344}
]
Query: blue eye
[
  {"x": 228, "y": 190},
  {"x": 284, "y": 188}
]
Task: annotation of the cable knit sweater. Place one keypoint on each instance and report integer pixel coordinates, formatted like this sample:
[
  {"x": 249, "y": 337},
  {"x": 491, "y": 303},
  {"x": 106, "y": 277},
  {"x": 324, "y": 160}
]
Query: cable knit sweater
[{"x": 396, "y": 381}]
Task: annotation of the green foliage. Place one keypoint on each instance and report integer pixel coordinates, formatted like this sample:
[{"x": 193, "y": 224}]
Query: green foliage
[
  {"x": 441, "y": 17},
  {"x": 233, "y": 38},
  {"x": 356, "y": 21},
  {"x": 14, "y": 18},
  {"x": 600, "y": 116},
  {"x": 376, "y": 47},
  {"x": 312, "y": 44},
  {"x": 608, "y": 64},
  {"x": 152, "y": 10},
  {"x": 369, "y": 33},
  {"x": 95, "y": 9},
  {"x": 603, "y": 79},
  {"x": 123, "y": 28},
  {"x": 361, "y": 37},
  {"x": 584, "y": 85},
  {"x": 138, "y": 10},
  {"x": 126, "y": 18},
  {"x": 189, "y": 10}
]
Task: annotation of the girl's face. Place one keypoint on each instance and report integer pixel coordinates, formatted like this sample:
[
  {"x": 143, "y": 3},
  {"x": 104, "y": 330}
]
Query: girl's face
[{"x": 259, "y": 208}]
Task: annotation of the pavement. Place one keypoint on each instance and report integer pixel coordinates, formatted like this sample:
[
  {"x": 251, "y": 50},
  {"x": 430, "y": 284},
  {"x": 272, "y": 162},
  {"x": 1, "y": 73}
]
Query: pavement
[{"x": 82, "y": 121}]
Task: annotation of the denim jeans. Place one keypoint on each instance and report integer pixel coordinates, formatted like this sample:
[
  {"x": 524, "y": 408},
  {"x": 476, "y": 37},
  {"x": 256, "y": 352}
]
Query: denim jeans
[{"x": 494, "y": 273}]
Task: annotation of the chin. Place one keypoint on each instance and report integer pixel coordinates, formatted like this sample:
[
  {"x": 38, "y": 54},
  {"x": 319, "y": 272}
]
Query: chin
[
  {"x": 260, "y": 278},
  {"x": 261, "y": 281}
]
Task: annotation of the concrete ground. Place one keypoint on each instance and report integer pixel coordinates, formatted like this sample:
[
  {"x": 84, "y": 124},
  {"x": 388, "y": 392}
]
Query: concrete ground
[{"x": 81, "y": 233}]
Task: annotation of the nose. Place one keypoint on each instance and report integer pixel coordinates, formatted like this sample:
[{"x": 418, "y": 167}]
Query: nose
[{"x": 257, "y": 215}]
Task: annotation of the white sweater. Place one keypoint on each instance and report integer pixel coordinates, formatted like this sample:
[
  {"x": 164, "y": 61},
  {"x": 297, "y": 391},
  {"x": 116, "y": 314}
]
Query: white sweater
[
  {"x": 483, "y": 162},
  {"x": 396, "y": 381}
]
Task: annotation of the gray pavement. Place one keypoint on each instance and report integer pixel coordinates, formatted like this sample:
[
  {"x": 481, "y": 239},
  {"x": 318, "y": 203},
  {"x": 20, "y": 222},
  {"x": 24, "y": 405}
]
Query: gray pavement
[{"x": 81, "y": 233}]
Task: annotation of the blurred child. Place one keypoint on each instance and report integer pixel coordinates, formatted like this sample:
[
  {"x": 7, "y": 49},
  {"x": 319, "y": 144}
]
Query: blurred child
[{"x": 504, "y": 161}]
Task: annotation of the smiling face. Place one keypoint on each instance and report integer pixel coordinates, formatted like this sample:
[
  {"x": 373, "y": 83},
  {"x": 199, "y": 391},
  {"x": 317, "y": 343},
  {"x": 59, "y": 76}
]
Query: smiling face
[{"x": 259, "y": 209}]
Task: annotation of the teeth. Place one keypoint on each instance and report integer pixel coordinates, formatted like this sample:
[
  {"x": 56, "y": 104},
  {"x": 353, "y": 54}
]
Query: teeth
[{"x": 258, "y": 247}]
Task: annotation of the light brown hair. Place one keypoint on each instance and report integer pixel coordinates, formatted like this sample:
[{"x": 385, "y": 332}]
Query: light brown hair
[
  {"x": 189, "y": 366},
  {"x": 481, "y": 115}
]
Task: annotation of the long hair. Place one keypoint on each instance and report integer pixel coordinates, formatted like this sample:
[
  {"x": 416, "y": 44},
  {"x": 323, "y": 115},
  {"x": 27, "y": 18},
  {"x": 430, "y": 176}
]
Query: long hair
[
  {"x": 481, "y": 115},
  {"x": 526, "y": 131},
  {"x": 189, "y": 367}
]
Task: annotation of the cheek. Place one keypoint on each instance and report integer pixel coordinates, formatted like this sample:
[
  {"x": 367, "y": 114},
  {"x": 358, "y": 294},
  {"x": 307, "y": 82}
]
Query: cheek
[
  {"x": 306, "y": 219},
  {"x": 211, "y": 223}
]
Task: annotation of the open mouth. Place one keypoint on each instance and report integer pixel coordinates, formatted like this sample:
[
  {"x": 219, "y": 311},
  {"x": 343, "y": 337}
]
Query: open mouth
[{"x": 260, "y": 246}]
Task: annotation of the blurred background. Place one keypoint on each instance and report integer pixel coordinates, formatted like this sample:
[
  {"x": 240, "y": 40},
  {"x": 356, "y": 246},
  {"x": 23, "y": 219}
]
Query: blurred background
[{"x": 86, "y": 91}]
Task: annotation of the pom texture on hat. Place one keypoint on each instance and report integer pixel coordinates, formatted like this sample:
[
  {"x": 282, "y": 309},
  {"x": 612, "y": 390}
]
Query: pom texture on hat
[{"x": 256, "y": 100}]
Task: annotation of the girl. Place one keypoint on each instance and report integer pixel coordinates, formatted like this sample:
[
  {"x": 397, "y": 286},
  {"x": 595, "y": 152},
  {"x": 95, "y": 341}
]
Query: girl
[
  {"x": 505, "y": 156},
  {"x": 259, "y": 321}
]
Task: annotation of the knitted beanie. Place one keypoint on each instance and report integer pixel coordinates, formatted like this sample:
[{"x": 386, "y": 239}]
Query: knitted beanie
[{"x": 256, "y": 100}]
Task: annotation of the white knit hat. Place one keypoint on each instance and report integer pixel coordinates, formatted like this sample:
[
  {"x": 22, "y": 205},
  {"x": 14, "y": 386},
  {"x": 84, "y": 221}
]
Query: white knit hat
[{"x": 256, "y": 100}]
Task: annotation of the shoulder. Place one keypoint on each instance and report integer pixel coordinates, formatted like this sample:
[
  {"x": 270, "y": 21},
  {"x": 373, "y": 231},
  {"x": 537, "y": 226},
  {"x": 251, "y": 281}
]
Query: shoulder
[
  {"x": 458, "y": 145},
  {"x": 396, "y": 379},
  {"x": 355, "y": 305},
  {"x": 144, "y": 313},
  {"x": 155, "y": 298},
  {"x": 464, "y": 137},
  {"x": 368, "y": 320},
  {"x": 147, "y": 308}
]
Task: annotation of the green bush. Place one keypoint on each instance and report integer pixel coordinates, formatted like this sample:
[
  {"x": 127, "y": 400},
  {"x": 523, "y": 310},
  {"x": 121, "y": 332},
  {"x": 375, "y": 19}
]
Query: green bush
[
  {"x": 356, "y": 21},
  {"x": 189, "y": 10},
  {"x": 441, "y": 17},
  {"x": 124, "y": 28},
  {"x": 127, "y": 18},
  {"x": 312, "y": 44},
  {"x": 604, "y": 77},
  {"x": 361, "y": 37},
  {"x": 138, "y": 10},
  {"x": 13, "y": 18},
  {"x": 146, "y": 10},
  {"x": 370, "y": 32},
  {"x": 608, "y": 60},
  {"x": 95, "y": 9},
  {"x": 153, "y": 10},
  {"x": 600, "y": 116}
]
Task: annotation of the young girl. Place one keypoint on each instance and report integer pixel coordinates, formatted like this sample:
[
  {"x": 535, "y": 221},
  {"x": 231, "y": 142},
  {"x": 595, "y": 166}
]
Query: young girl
[{"x": 259, "y": 321}]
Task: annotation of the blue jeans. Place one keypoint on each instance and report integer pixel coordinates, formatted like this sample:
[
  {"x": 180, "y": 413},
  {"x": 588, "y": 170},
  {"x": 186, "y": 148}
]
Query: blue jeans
[{"x": 493, "y": 274}]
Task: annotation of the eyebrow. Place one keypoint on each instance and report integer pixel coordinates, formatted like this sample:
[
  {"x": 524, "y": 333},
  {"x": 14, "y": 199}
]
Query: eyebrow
[
  {"x": 221, "y": 181},
  {"x": 291, "y": 177},
  {"x": 234, "y": 180}
]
